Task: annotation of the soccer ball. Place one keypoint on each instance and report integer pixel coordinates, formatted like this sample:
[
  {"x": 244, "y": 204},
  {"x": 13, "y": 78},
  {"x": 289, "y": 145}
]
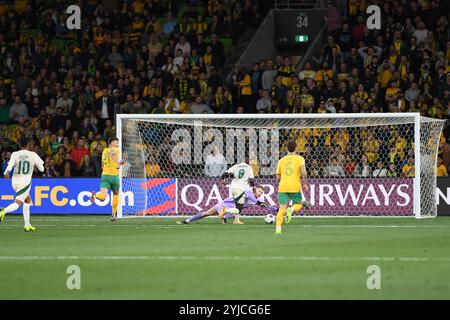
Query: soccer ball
[{"x": 269, "y": 219}]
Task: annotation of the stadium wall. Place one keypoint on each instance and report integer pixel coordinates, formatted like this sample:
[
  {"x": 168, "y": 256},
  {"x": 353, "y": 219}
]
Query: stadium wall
[
  {"x": 262, "y": 45},
  {"x": 72, "y": 195}
]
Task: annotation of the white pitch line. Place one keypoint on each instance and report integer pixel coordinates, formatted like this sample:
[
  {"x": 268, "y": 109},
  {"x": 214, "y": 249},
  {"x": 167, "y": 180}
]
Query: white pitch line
[
  {"x": 195, "y": 226},
  {"x": 236, "y": 258}
]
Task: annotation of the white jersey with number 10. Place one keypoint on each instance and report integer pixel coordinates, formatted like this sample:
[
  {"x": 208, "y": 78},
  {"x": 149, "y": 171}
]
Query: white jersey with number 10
[{"x": 23, "y": 162}]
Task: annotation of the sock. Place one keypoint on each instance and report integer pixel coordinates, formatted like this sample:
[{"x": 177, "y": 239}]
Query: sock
[
  {"x": 297, "y": 207},
  {"x": 12, "y": 207},
  {"x": 100, "y": 196},
  {"x": 115, "y": 204},
  {"x": 236, "y": 218},
  {"x": 228, "y": 216},
  {"x": 280, "y": 216},
  {"x": 26, "y": 214},
  {"x": 196, "y": 217}
]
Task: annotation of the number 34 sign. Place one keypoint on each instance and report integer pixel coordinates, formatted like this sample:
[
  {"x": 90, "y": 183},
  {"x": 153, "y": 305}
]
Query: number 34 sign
[{"x": 302, "y": 21}]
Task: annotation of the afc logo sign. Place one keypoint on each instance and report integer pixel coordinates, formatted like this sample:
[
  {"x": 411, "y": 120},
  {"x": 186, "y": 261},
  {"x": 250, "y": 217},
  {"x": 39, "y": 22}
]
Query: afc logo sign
[
  {"x": 374, "y": 20},
  {"x": 73, "y": 22}
]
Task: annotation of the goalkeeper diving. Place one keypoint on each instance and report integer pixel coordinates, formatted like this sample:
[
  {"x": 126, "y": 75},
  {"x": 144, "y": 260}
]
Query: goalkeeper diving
[
  {"x": 110, "y": 175},
  {"x": 227, "y": 209}
]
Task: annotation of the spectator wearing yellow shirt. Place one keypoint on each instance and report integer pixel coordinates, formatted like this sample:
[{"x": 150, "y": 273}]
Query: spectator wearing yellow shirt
[
  {"x": 343, "y": 73},
  {"x": 442, "y": 141},
  {"x": 99, "y": 35},
  {"x": 385, "y": 73},
  {"x": 409, "y": 168},
  {"x": 137, "y": 28},
  {"x": 371, "y": 149},
  {"x": 286, "y": 71},
  {"x": 152, "y": 169},
  {"x": 441, "y": 170},
  {"x": 323, "y": 74},
  {"x": 98, "y": 141},
  {"x": 60, "y": 155},
  {"x": 393, "y": 89},
  {"x": 393, "y": 55},
  {"x": 361, "y": 94},
  {"x": 322, "y": 108},
  {"x": 157, "y": 27},
  {"x": 254, "y": 163},
  {"x": 404, "y": 67},
  {"x": 400, "y": 144},
  {"x": 295, "y": 86},
  {"x": 307, "y": 100},
  {"x": 245, "y": 89},
  {"x": 200, "y": 26}
]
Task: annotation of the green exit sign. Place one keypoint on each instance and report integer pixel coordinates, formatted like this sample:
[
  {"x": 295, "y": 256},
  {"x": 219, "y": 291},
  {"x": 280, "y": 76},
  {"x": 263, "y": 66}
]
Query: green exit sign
[{"x": 301, "y": 38}]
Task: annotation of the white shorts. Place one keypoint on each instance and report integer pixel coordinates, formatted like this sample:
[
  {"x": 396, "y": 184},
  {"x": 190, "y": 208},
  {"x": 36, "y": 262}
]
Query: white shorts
[
  {"x": 22, "y": 190},
  {"x": 238, "y": 194}
]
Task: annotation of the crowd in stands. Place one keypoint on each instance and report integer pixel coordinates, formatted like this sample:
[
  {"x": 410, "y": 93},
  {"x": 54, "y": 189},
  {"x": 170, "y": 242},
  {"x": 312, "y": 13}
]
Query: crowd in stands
[
  {"x": 63, "y": 87},
  {"x": 403, "y": 67}
]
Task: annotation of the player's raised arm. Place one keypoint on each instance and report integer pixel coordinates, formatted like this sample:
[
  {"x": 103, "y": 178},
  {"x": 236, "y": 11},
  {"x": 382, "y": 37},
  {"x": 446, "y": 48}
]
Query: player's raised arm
[
  {"x": 304, "y": 177},
  {"x": 11, "y": 164},
  {"x": 227, "y": 174},
  {"x": 278, "y": 172},
  {"x": 304, "y": 174}
]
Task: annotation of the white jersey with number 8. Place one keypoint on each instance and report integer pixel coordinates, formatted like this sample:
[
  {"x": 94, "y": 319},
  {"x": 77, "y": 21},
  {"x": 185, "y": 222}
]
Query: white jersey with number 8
[{"x": 241, "y": 172}]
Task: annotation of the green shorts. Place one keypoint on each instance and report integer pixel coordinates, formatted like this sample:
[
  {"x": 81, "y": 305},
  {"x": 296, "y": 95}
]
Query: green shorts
[
  {"x": 283, "y": 197},
  {"x": 110, "y": 182}
]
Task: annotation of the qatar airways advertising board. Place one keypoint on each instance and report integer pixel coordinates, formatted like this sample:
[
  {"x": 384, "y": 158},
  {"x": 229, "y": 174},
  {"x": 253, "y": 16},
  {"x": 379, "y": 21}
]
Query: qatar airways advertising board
[
  {"x": 172, "y": 196},
  {"x": 331, "y": 196}
]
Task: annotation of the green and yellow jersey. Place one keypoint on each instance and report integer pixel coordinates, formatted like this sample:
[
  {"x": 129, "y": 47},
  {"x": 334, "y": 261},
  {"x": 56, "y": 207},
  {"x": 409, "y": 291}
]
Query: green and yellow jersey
[
  {"x": 289, "y": 170},
  {"x": 110, "y": 161}
]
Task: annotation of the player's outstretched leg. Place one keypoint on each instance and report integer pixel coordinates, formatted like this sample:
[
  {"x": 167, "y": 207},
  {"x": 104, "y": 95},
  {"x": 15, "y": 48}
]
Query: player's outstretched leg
[
  {"x": 2, "y": 214},
  {"x": 296, "y": 206},
  {"x": 198, "y": 216},
  {"x": 279, "y": 219},
  {"x": 226, "y": 217},
  {"x": 238, "y": 209},
  {"x": 26, "y": 216},
  {"x": 11, "y": 208},
  {"x": 115, "y": 205},
  {"x": 230, "y": 213},
  {"x": 98, "y": 195}
]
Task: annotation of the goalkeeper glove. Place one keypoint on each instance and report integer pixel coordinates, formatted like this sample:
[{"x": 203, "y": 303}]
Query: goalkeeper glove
[{"x": 262, "y": 204}]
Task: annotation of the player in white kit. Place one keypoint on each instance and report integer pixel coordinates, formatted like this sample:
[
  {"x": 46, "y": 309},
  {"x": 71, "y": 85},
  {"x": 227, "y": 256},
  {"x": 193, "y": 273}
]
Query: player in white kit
[
  {"x": 243, "y": 177},
  {"x": 23, "y": 163}
]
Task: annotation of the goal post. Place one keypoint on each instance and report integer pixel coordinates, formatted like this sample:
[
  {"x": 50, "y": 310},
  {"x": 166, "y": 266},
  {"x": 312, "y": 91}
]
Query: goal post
[{"x": 364, "y": 164}]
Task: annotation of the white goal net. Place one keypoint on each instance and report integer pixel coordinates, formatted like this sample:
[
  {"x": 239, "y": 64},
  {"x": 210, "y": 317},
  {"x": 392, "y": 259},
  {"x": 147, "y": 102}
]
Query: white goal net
[{"x": 358, "y": 164}]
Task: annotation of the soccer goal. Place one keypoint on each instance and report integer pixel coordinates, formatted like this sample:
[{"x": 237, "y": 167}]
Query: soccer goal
[{"x": 375, "y": 164}]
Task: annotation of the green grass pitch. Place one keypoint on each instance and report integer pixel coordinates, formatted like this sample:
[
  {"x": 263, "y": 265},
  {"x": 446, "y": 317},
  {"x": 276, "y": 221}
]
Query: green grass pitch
[{"x": 157, "y": 259}]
